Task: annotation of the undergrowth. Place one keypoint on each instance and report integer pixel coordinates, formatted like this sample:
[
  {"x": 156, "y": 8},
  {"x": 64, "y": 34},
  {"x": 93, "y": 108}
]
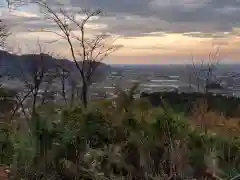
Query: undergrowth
[{"x": 120, "y": 139}]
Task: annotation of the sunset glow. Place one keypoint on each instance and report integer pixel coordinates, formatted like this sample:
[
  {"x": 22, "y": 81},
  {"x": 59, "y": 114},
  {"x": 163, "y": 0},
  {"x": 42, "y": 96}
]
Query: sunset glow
[{"x": 144, "y": 37}]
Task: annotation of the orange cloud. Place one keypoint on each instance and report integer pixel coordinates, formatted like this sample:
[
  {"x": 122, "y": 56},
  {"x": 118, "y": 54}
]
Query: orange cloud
[{"x": 172, "y": 45}]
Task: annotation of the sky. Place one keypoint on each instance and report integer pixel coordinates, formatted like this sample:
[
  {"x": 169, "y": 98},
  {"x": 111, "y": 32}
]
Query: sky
[{"x": 149, "y": 31}]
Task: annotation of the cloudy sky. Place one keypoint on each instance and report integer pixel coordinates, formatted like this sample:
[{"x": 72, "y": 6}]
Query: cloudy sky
[{"x": 151, "y": 31}]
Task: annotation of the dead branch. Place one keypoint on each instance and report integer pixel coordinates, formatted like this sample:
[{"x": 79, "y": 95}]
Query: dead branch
[
  {"x": 4, "y": 33},
  {"x": 206, "y": 67},
  {"x": 89, "y": 51}
]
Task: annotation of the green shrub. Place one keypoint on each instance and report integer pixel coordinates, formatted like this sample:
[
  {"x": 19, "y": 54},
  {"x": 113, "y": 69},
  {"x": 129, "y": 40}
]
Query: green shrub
[{"x": 132, "y": 141}]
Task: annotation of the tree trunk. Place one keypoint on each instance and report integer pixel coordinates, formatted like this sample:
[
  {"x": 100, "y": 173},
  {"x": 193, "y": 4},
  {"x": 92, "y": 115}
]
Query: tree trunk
[
  {"x": 85, "y": 94},
  {"x": 206, "y": 86},
  {"x": 189, "y": 82},
  {"x": 34, "y": 102},
  {"x": 64, "y": 92},
  {"x": 72, "y": 95}
]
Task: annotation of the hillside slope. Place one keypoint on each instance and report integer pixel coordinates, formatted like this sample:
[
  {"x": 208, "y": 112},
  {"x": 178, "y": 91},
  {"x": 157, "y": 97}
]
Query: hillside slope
[{"x": 12, "y": 64}]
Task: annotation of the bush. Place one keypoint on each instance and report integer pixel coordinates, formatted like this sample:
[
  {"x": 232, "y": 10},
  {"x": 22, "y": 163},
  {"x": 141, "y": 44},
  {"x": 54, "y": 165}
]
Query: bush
[{"x": 107, "y": 141}]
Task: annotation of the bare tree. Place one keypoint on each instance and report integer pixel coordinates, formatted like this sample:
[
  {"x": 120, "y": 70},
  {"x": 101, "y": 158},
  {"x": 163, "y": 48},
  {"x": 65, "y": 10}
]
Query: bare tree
[
  {"x": 213, "y": 61},
  {"x": 69, "y": 84},
  {"x": 15, "y": 3},
  {"x": 40, "y": 72},
  {"x": 2, "y": 39},
  {"x": 195, "y": 73},
  {"x": 88, "y": 50},
  {"x": 33, "y": 77},
  {"x": 203, "y": 73},
  {"x": 63, "y": 74},
  {"x": 4, "y": 33}
]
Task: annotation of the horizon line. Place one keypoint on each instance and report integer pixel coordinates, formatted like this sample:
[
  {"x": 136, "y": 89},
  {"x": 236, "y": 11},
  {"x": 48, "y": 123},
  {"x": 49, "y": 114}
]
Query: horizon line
[{"x": 154, "y": 64}]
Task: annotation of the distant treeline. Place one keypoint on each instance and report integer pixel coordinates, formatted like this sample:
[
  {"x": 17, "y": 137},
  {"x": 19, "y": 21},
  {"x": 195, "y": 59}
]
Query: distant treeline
[{"x": 185, "y": 102}]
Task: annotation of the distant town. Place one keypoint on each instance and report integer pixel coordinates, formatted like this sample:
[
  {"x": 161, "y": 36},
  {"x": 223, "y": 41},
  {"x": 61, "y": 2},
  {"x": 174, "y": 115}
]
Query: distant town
[{"x": 225, "y": 80}]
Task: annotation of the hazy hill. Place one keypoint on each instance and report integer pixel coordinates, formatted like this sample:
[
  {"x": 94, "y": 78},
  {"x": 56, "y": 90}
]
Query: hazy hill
[{"x": 12, "y": 64}]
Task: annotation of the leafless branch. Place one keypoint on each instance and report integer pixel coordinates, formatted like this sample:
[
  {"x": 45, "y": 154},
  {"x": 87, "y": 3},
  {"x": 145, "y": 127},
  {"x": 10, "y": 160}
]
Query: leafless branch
[
  {"x": 63, "y": 74},
  {"x": 4, "y": 33},
  {"x": 89, "y": 50},
  {"x": 206, "y": 67},
  {"x": 15, "y": 3},
  {"x": 20, "y": 104},
  {"x": 33, "y": 78}
]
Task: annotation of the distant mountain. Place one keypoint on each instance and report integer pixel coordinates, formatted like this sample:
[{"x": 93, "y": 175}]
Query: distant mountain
[{"x": 13, "y": 65}]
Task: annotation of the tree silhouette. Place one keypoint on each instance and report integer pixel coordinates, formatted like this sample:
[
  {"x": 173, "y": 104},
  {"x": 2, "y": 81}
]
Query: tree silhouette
[
  {"x": 86, "y": 51},
  {"x": 3, "y": 33}
]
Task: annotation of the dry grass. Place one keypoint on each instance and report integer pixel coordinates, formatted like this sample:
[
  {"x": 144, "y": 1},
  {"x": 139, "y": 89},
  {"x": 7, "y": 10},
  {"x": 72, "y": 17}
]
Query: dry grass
[{"x": 213, "y": 121}]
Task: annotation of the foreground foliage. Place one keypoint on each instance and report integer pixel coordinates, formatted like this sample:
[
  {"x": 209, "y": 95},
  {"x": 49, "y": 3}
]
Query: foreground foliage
[{"x": 116, "y": 139}]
